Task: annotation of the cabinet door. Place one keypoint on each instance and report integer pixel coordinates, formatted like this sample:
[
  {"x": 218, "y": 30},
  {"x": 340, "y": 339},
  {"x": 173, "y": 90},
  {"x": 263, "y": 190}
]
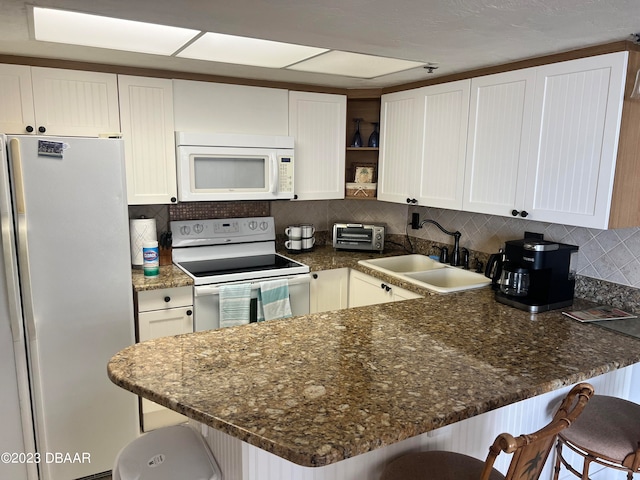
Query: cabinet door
[
  {"x": 146, "y": 115},
  {"x": 398, "y": 294},
  {"x": 75, "y": 103},
  {"x": 328, "y": 290},
  {"x": 16, "y": 99},
  {"x": 400, "y": 140},
  {"x": 162, "y": 323},
  {"x": 318, "y": 124},
  {"x": 498, "y": 139},
  {"x": 578, "y": 108},
  {"x": 444, "y": 143},
  {"x": 367, "y": 290},
  {"x": 155, "y": 324},
  {"x": 225, "y": 108}
]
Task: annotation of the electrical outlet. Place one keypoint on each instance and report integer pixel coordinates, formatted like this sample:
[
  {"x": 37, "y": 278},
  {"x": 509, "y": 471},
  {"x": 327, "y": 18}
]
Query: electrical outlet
[{"x": 415, "y": 220}]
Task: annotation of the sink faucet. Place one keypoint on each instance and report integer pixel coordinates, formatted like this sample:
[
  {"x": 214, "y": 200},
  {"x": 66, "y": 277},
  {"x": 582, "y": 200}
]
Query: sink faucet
[{"x": 455, "y": 256}]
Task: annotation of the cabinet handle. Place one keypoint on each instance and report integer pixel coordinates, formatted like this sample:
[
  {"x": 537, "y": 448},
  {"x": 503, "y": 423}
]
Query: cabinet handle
[
  {"x": 189, "y": 313},
  {"x": 315, "y": 275},
  {"x": 412, "y": 200},
  {"x": 167, "y": 299},
  {"x": 385, "y": 287},
  {"x": 523, "y": 213},
  {"x": 29, "y": 129},
  {"x": 42, "y": 129}
]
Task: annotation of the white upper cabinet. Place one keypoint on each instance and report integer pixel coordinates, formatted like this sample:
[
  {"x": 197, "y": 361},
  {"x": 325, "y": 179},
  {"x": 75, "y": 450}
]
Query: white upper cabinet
[
  {"x": 75, "y": 103},
  {"x": 400, "y": 134},
  {"x": 206, "y": 107},
  {"x": 498, "y": 142},
  {"x": 317, "y": 122},
  {"x": 16, "y": 97},
  {"x": 445, "y": 110},
  {"x": 51, "y": 101},
  {"x": 146, "y": 114},
  {"x": 574, "y": 140}
]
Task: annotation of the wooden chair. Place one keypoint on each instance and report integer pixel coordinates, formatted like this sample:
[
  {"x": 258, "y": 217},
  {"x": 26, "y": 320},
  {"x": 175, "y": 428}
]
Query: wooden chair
[
  {"x": 607, "y": 433},
  {"x": 530, "y": 452}
]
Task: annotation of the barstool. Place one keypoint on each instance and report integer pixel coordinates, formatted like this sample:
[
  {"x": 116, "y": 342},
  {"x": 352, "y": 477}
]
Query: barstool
[
  {"x": 607, "y": 433},
  {"x": 530, "y": 452}
]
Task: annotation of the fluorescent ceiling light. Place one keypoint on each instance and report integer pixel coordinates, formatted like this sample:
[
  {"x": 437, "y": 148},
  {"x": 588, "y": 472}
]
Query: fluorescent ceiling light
[
  {"x": 354, "y": 65},
  {"x": 60, "y": 26},
  {"x": 75, "y": 28},
  {"x": 217, "y": 47}
]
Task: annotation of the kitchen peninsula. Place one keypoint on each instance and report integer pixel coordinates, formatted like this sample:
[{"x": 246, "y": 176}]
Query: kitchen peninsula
[{"x": 318, "y": 389}]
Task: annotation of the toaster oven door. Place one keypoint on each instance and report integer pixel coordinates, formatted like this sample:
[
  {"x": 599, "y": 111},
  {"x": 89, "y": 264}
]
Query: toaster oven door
[{"x": 353, "y": 236}]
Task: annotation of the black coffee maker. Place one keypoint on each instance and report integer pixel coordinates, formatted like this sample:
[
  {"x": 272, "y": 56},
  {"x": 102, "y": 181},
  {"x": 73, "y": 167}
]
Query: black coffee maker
[{"x": 534, "y": 274}]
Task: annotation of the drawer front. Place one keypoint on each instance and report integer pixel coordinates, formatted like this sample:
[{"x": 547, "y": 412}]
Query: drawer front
[{"x": 165, "y": 298}]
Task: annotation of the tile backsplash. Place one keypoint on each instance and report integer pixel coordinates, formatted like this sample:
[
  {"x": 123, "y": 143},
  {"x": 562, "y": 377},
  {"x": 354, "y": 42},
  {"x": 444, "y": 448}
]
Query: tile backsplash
[{"x": 610, "y": 255}]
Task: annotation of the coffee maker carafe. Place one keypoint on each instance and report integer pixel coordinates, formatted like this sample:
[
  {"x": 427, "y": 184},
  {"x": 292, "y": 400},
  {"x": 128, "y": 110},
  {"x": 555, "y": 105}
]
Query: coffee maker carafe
[{"x": 537, "y": 275}]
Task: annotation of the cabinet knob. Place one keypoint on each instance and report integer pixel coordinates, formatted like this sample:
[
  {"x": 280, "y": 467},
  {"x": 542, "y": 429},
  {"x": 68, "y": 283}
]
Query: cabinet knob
[
  {"x": 412, "y": 200},
  {"x": 524, "y": 214},
  {"x": 41, "y": 129},
  {"x": 189, "y": 313},
  {"x": 514, "y": 212},
  {"x": 315, "y": 275},
  {"x": 29, "y": 129},
  {"x": 167, "y": 299},
  {"x": 174, "y": 199}
]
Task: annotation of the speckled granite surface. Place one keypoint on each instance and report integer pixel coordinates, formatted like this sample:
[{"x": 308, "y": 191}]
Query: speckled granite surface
[
  {"x": 321, "y": 388},
  {"x": 170, "y": 276}
]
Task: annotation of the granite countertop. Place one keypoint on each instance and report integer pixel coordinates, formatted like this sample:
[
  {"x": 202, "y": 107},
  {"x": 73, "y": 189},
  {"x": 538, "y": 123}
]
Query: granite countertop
[
  {"x": 170, "y": 276},
  {"x": 321, "y": 388}
]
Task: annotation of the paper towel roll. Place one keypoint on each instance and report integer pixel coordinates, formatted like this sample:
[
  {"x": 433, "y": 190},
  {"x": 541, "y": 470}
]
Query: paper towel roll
[{"x": 142, "y": 230}]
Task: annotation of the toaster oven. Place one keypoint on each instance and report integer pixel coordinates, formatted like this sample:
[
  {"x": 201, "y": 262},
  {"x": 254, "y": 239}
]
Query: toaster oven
[{"x": 356, "y": 236}]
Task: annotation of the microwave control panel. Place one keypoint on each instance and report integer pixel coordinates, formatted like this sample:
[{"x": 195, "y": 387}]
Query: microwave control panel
[{"x": 285, "y": 174}]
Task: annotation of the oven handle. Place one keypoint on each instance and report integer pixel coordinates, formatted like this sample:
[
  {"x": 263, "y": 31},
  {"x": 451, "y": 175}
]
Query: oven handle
[{"x": 203, "y": 290}]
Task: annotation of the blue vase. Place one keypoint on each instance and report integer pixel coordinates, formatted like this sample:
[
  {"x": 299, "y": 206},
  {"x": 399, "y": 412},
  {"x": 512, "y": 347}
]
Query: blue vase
[
  {"x": 357, "y": 138},
  {"x": 374, "y": 138}
]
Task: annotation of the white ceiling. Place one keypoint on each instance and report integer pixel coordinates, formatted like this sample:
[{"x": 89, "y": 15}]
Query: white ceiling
[{"x": 456, "y": 35}]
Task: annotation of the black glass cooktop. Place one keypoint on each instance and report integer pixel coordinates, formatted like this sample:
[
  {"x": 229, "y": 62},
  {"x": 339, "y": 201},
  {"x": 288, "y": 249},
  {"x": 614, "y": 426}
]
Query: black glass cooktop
[{"x": 223, "y": 266}]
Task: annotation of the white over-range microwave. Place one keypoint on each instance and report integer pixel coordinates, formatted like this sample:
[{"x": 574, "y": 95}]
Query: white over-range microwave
[{"x": 218, "y": 167}]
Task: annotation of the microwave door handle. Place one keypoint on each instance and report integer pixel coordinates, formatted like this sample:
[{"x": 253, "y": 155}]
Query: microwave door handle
[{"x": 274, "y": 173}]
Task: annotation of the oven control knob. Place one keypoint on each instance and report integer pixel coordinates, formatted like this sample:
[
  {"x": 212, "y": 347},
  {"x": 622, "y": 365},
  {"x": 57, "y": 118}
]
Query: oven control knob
[
  {"x": 264, "y": 225},
  {"x": 253, "y": 224},
  {"x": 185, "y": 230},
  {"x": 198, "y": 228}
]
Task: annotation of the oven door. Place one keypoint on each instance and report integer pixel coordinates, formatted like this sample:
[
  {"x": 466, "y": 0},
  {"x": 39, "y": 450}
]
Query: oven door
[{"x": 206, "y": 308}]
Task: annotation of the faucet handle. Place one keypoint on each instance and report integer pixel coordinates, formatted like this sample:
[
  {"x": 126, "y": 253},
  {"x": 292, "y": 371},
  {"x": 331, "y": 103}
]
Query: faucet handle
[{"x": 465, "y": 258}]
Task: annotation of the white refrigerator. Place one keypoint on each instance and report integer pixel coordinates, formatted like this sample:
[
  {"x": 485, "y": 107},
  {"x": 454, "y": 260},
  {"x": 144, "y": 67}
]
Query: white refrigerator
[{"x": 65, "y": 307}]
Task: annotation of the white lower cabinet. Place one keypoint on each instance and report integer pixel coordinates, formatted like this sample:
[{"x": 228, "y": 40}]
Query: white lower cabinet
[
  {"x": 161, "y": 313},
  {"x": 328, "y": 290},
  {"x": 367, "y": 290}
]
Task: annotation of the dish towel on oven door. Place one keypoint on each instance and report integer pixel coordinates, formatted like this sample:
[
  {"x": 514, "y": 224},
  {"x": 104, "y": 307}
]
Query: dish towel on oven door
[
  {"x": 235, "y": 301},
  {"x": 273, "y": 300}
]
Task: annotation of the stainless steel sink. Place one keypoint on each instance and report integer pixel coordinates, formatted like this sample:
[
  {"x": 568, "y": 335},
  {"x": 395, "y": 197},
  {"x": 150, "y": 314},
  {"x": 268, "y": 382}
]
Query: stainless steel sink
[{"x": 428, "y": 273}]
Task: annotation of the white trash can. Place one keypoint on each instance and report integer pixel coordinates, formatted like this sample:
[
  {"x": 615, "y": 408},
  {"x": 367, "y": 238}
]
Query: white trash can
[{"x": 169, "y": 453}]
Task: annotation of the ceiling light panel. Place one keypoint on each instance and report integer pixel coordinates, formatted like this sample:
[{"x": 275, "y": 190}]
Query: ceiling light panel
[
  {"x": 75, "y": 28},
  {"x": 217, "y": 47},
  {"x": 354, "y": 65}
]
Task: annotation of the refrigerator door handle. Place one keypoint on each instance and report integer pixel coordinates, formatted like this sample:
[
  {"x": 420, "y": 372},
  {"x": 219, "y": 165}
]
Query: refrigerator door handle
[
  {"x": 23, "y": 250},
  {"x": 9, "y": 255}
]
